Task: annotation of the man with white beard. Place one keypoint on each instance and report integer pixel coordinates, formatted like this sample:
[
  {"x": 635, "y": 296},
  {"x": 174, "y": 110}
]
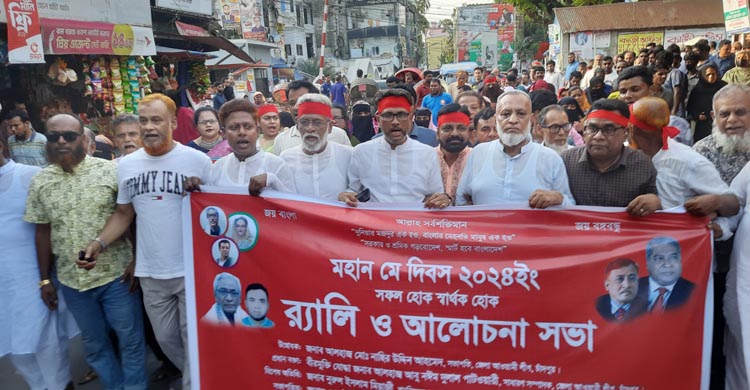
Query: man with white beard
[
  {"x": 319, "y": 167},
  {"x": 728, "y": 148},
  {"x": 555, "y": 126},
  {"x": 537, "y": 173}
]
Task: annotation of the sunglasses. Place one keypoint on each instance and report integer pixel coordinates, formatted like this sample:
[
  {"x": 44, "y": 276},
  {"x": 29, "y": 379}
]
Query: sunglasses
[{"x": 69, "y": 136}]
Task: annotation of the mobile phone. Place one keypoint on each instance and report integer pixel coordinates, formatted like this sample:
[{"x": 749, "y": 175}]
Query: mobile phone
[
  {"x": 82, "y": 256},
  {"x": 364, "y": 195}
]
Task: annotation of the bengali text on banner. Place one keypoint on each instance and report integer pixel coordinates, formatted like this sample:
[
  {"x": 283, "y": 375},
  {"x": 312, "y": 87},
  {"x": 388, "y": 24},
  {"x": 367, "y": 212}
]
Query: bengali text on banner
[{"x": 292, "y": 294}]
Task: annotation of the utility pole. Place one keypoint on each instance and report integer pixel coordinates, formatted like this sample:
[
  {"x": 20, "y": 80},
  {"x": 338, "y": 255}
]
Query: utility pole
[{"x": 323, "y": 40}]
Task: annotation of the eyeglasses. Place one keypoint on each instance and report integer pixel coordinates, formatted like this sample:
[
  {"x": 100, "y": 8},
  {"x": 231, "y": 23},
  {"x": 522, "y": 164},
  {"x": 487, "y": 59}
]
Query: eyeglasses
[
  {"x": 338, "y": 118},
  {"x": 224, "y": 292},
  {"x": 208, "y": 122},
  {"x": 554, "y": 129},
  {"x": 311, "y": 122},
  {"x": 388, "y": 116},
  {"x": 68, "y": 136},
  {"x": 606, "y": 130}
]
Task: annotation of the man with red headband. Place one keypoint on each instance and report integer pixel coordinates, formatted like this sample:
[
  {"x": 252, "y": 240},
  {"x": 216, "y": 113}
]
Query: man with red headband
[
  {"x": 394, "y": 167},
  {"x": 514, "y": 169},
  {"x": 604, "y": 172},
  {"x": 454, "y": 134},
  {"x": 684, "y": 176},
  {"x": 319, "y": 166}
]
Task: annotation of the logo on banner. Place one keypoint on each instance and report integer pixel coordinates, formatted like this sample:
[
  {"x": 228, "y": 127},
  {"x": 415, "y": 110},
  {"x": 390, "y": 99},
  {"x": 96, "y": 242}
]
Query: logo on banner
[{"x": 24, "y": 34}]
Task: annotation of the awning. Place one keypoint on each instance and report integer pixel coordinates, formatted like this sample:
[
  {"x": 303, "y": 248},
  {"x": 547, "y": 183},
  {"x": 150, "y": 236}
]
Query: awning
[
  {"x": 182, "y": 53},
  {"x": 201, "y": 37}
]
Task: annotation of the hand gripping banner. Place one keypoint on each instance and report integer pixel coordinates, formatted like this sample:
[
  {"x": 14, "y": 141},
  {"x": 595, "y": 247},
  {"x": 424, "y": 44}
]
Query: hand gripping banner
[{"x": 293, "y": 294}]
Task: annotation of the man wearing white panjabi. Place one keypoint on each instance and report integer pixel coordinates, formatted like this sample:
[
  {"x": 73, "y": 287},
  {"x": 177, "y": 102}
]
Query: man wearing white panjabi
[
  {"x": 35, "y": 337},
  {"x": 226, "y": 311},
  {"x": 514, "y": 169},
  {"x": 395, "y": 168},
  {"x": 319, "y": 166},
  {"x": 246, "y": 166}
]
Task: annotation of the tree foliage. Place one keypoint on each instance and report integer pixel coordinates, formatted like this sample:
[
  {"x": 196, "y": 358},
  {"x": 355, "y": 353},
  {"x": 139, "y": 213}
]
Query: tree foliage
[
  {"x": 448, "y": 54},
  {"x": 541, "y": 11}
]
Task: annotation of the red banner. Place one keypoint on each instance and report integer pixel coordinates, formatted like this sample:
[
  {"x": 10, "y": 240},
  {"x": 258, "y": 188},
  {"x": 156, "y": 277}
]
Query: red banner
[
  {"x": 329, "y": 297},
  {"x": 24, "y": 32}
]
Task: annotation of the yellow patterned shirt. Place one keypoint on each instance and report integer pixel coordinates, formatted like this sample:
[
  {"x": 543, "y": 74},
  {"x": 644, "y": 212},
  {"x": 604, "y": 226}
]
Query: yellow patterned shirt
[{"x": 77, "y": 206}]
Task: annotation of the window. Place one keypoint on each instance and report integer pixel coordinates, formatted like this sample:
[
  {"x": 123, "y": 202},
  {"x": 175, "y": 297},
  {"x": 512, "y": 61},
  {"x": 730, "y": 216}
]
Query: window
[
  {"x": 288, "y": 50},
  {"x": 299, "y": 50},
  {"x": 306, "y": 10}
]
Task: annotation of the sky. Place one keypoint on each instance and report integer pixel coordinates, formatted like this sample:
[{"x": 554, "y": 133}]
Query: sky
[{"x": 443, "y": 9}]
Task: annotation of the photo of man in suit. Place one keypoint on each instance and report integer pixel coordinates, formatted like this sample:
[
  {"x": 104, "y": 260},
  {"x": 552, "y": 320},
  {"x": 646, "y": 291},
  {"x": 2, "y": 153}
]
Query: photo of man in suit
[
  {"x": 621, "y": 303},
  {"x": 664, "y": 288}
]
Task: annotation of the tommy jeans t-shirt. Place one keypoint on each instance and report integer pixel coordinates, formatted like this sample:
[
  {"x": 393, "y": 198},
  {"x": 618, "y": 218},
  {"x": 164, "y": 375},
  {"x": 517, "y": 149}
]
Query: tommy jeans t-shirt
[{"x": 153, "y": 184}]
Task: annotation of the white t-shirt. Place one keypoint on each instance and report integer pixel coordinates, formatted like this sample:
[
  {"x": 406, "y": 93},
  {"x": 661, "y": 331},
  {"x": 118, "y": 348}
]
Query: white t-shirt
[
  {"x": 153, "y": 184},
  {"x": 291, "y": 138},
  {"x": 321, "y": 175},
  {"x": 682, "y": 173},
  {"x": 405, "y": 174},
  {"x": 229, "y": 171}
]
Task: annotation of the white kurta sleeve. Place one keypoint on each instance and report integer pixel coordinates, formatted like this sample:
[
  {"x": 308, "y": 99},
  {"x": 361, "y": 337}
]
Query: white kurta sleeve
[
  {"x": 464, "y": 185},
  {"x": 560, "y": 183},
  {"x": 353, "y": 172},
  {"x": 434, "y": 178}
]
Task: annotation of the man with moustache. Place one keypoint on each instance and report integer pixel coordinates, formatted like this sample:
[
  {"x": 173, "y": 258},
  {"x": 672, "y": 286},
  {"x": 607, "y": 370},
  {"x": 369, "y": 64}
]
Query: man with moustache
[
  {"x": 127, "y": 132},
  {"x": 454, "y": 130},
  {"x": 535, "y": 174},
  {"x": 728, "y": 148},
  {"x": 289, "y": 139},
  {"x": 226, "y": 310},
  {"x": 491, "y": 90},
  {"x": 604, "y": 172},
  {"x": 150, "y": 191},
  {"x": 256, "y": 302},
  {"x": 395, "y": 167},
  {"x": 621, "y": 303},
  {"x": 318, "y": 166},
  {"x": 418, "y": 132},
  {"x": 70, "y": 201}
]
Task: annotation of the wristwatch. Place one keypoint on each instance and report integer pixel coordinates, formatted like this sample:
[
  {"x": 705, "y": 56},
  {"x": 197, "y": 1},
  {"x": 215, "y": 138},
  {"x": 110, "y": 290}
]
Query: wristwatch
[{"x": 44, "y": 283}]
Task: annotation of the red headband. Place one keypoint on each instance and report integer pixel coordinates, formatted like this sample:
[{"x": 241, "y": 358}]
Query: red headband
[
  {"x": 453, "y": 117},
  {"x": 666, "y": 131},
  {"x": 490, "y": 79},
  {"x": 314, "y": 108},
  {"x": 610, "y": 116},
  {"x": 394, "y": 102},
  {"x": 266, "y": 108}
]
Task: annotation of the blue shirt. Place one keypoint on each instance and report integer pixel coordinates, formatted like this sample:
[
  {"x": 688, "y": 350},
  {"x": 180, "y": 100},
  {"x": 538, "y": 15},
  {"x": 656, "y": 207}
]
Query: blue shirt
[
  {"x": 325, "y": 89},
  {"x": 434, "y": 103},
  {"x": 570, "y": 69},
  {"x": 724, "y": 64},
  {"x": 219, "y": 100},
  {"x": 420, "y": 134},
  {"x": 338, "y": 94}
]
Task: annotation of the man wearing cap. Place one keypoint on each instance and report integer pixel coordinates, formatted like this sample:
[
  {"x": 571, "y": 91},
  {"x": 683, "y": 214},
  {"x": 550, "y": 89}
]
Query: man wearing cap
[
  {"x": 319, "y": 167},
  {"x": 394, "y": 167},
  {"x": 604, "y": 172},
  {"x": 454, "y": 130},
  {"x": 514, "y": 169},
  {"x": 684, "y": 176}
]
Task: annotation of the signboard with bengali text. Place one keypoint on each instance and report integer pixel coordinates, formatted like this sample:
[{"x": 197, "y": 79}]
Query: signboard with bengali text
[
  {"x": 332, "y": 297},
  {"x": 71, "y": 37},
  {"x": 24, "y": 32},
  {"x": 637, "y": 41},
  {"x": 736, "y": 17}
]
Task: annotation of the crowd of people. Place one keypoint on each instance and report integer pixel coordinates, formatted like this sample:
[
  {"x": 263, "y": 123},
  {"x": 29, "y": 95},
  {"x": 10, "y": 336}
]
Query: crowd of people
[{"x": 644, "y": 132}]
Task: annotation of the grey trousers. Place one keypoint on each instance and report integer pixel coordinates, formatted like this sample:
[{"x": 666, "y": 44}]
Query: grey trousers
[{"x": 164, "y": 300}]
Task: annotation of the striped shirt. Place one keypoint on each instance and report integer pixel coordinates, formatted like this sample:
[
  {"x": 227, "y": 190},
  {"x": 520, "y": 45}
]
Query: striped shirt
[{"x": 29, "y": 152}]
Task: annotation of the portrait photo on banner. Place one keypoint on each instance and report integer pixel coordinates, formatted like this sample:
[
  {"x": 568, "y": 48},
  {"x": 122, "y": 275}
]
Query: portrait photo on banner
[
  {"x": 224, "y": 252},
  {"x": 213, "y": 221},
  {"x": 243, "y": 229}
]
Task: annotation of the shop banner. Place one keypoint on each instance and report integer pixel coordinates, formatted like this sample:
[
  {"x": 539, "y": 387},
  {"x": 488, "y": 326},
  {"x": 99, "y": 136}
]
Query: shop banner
[
  {"x": 637, "y": 41},
  {"x": 24, "y": 32},
  {"x": 329, "y": 297},
  {"x": 135, "y": 12},
  {"x": 681, "y": 36},
  {"x": 71, "y": 37},
  {"x": 736, "y": 18}
]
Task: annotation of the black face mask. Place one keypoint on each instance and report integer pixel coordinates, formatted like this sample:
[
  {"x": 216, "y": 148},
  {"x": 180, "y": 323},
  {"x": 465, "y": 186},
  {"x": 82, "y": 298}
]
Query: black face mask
[
  {"x": 362, "y": 127},
  {"x": 422, "y": 122}
]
